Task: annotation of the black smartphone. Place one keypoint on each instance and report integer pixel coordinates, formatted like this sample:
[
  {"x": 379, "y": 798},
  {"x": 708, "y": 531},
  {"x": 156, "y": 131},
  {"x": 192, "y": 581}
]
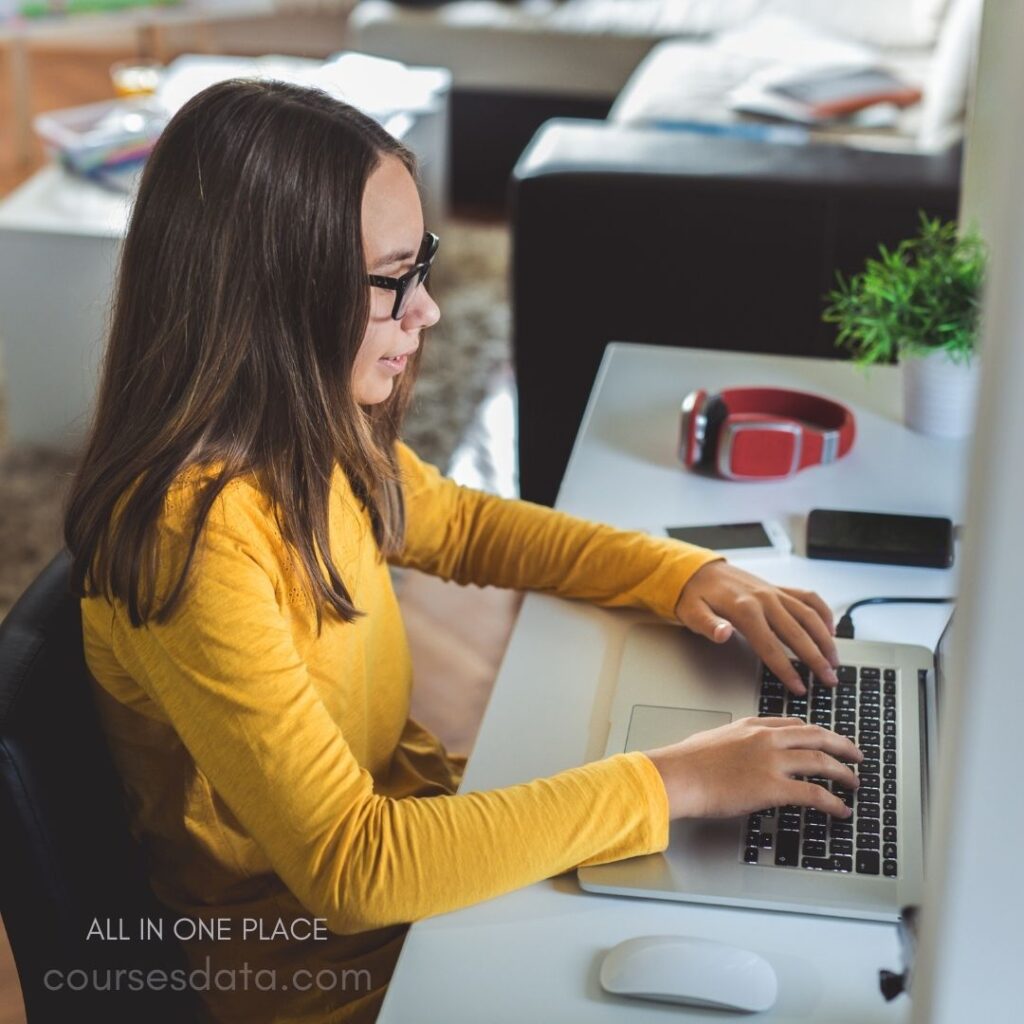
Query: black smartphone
[
  {"x": 738, "y": 540},
  {"x": 925, "y": 541}
]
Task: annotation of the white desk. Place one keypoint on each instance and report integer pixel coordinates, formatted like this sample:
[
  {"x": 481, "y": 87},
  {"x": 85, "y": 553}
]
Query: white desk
[{"x": 534, "y": 954}]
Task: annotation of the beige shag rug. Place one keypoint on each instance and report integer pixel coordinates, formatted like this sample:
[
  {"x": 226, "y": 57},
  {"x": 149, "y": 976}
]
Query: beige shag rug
[{"x": 461, "y": 356}]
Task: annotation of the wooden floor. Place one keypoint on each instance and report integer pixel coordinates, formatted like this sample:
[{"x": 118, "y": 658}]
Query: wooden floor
[{"x": 457, "y": 635}]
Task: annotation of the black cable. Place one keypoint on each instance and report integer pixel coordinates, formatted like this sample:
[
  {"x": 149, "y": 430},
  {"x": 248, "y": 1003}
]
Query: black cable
[{"x": 844, "y": 628}]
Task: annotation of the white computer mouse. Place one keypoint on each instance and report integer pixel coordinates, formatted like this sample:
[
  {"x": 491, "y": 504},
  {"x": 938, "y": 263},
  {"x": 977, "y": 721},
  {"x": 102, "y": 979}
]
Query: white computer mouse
[{"x": 685, "y": 969}]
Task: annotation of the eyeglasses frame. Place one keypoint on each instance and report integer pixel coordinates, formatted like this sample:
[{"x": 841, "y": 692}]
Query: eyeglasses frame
[{"x": 404, "y": 286}]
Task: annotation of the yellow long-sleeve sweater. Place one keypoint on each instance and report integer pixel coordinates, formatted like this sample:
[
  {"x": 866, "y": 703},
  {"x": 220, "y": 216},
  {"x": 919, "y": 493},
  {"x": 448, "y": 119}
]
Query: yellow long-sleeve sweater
[{"x": 273, "y": 773}]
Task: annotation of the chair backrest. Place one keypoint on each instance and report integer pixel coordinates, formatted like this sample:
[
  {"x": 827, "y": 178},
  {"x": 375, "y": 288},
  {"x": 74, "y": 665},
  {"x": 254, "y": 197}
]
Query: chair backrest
[{"x": 72, "y": 878}]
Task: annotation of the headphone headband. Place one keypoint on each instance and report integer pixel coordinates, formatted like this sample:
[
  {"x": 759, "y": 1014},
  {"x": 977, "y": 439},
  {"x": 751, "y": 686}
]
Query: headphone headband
[{"x": 762, "y": 433}]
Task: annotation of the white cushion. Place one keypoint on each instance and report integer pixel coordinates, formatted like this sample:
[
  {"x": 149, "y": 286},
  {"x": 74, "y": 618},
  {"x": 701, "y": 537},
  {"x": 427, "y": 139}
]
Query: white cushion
[
  {"x": 930, "y": 14},
  {"x": 949, "y": 80},
  {"x": 682, "y": 81},
  {"x": 883, "y": 23}
]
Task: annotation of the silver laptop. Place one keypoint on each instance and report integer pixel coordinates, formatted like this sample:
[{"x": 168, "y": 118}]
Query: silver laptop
[{"x": 673, "y": 684}]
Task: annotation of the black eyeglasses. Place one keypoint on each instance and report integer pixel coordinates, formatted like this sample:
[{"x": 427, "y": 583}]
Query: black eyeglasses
[{"x": 405, "y": 286}]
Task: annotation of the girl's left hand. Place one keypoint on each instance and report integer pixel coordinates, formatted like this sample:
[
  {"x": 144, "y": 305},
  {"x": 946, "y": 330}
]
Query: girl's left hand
[{"x": 719, "y": 598}]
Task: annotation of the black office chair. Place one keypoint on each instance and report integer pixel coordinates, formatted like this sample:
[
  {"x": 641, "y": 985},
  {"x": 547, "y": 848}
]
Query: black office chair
[{"x": 67, "y": 857}]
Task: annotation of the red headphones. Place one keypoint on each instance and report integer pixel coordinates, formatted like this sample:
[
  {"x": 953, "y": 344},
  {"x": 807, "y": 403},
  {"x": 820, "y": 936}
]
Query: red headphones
[{"x": 762, "y": 433}]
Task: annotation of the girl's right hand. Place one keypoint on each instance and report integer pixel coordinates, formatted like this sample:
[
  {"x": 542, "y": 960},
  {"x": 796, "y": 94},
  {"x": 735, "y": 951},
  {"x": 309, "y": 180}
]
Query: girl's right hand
[{"x": 749, "y": 764}]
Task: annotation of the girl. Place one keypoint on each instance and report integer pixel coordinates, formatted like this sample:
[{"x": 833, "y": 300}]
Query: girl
[{"x": 231, "y": 525}]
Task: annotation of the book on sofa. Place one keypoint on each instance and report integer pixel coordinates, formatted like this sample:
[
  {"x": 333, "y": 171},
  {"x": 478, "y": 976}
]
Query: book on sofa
[{"x": 814, "y": 97}]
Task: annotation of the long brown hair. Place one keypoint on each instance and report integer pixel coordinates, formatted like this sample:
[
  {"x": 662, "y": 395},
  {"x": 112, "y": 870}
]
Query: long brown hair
[{"x": 240, "y": 304}]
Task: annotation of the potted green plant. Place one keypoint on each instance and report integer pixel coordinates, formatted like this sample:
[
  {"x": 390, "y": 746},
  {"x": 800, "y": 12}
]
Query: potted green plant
[{"x": 919, "y": 303}]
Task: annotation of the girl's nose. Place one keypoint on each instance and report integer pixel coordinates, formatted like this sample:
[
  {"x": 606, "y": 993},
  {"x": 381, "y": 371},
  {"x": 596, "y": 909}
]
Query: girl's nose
[{"x": 423, "y": 311}]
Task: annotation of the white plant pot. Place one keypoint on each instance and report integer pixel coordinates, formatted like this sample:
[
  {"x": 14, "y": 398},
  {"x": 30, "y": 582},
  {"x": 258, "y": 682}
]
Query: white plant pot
[{"x": 939, "y": 396}]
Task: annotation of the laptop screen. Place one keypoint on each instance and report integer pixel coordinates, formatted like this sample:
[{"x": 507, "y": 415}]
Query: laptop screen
[
  {"x": 932, "y": 696},
  {"x": 943, "y": 654}
]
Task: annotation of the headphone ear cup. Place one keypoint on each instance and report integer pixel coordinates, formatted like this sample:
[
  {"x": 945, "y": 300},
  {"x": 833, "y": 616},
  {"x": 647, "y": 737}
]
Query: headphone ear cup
[{"x": 716, "y": 412}]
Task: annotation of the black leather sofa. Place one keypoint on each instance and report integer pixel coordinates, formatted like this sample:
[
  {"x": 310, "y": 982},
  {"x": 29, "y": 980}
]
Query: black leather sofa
[{"x": 668, "y": 238}]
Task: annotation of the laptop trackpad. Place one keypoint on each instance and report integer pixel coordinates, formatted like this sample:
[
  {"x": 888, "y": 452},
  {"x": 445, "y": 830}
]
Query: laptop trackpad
[{"x": 651, "y": 726}]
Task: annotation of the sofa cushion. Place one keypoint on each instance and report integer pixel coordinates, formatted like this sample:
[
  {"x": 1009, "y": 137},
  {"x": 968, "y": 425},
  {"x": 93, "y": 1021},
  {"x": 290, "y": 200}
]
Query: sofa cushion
[
  {"x": 682, "y": 81},
  {"x": 883, "y": 23},
  {"x": 949, "y": 79},
  {"x": 687, "y": 81}
]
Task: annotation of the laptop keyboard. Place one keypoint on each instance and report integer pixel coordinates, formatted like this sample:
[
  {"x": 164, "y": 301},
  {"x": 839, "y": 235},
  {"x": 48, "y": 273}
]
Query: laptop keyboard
[{"x": 862, "y": 707}]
